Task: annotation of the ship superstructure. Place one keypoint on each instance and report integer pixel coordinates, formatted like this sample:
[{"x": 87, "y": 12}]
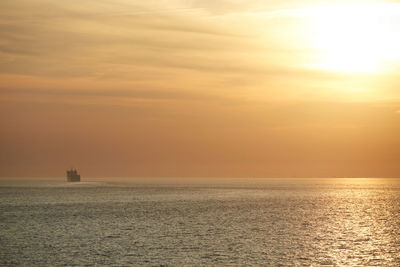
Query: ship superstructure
[{"x": 73, "y": 176}]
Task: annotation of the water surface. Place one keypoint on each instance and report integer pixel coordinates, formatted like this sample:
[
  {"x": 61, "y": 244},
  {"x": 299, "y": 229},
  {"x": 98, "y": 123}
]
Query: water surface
[{"x": 213, "y": 222}]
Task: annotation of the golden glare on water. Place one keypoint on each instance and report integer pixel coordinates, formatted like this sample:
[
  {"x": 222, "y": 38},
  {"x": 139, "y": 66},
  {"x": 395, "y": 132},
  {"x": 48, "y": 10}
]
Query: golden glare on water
[{"x": 356, "y": 38}]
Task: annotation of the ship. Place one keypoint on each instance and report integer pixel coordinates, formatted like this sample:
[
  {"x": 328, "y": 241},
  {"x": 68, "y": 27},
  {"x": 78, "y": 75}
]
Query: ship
[{"x": 73, "y": 176}]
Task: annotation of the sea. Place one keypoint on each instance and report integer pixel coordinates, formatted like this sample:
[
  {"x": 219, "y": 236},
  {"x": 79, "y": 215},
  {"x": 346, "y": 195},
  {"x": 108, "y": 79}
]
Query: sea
[{"x": 200, "y": 222}]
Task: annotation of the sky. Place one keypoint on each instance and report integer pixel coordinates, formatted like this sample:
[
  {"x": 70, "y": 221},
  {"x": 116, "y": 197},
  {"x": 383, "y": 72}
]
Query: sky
[{"x": 200, "y": 88}]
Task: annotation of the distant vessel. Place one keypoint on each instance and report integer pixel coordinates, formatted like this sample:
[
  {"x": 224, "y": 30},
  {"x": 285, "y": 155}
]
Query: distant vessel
[{"x": 73, "y": 176}]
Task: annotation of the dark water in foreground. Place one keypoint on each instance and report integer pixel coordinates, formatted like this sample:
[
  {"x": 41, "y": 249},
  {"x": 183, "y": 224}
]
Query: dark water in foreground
[{"x": 231, "y": 223}]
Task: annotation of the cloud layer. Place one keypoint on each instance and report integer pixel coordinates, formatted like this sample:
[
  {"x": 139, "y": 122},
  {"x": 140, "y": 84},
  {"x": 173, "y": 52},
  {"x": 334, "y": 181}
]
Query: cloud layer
[{"x": 184, "y": 88}]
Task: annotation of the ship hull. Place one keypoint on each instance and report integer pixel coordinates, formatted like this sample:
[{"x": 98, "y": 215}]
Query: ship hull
[
  {"x": 73, "y": 179},
  {"x": 73, "y": 176}
]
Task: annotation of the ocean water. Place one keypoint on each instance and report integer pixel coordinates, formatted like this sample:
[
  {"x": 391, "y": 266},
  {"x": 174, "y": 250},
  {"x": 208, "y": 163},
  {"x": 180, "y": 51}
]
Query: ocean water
[{"x": 255, "y": 222}]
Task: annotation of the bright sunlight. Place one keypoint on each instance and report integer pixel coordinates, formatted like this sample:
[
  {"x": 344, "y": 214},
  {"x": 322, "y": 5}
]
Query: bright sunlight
[{"x": 357, "y": 38}]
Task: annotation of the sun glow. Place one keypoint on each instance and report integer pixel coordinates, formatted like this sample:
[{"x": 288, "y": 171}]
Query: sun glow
[{"x": 356, "y": 37}]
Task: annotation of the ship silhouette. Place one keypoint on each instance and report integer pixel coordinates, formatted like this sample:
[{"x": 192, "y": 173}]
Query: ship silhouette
[{"x": 73, "y": 176}]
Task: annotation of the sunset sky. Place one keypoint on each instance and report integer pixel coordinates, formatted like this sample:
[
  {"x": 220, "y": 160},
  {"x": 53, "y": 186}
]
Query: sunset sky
[{"x": 200, "y": 88}]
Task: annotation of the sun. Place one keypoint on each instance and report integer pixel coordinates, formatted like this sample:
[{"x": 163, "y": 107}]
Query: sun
[{"x": 356, "y": 37}]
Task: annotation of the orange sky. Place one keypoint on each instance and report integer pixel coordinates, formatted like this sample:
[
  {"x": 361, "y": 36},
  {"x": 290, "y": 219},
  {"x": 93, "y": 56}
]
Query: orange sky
[{"x": 200, "y": 88}]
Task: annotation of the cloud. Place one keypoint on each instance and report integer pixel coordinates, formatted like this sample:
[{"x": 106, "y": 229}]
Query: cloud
[
  {"x": 62, "y": 29},
  {"x": 56, "y": 39},
  {"x": 117, "y": 93},
  {"x": 182, "y": 83},
  {"x": 169, "y": 46}
]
